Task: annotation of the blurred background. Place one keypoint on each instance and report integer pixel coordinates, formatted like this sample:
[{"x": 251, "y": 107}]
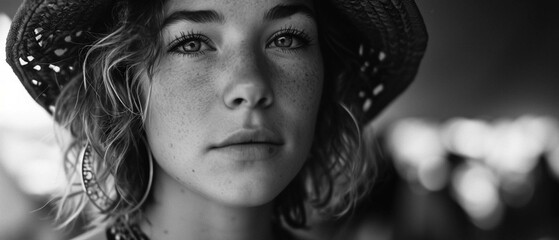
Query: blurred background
[{"x": 470, "y": 151}]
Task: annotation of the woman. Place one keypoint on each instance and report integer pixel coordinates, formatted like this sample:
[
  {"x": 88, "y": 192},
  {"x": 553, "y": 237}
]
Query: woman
[{"x": 208, "y": 119}]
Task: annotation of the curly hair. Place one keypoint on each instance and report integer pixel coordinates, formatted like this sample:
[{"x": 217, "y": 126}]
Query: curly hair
[{"x": 105, "y": 107}]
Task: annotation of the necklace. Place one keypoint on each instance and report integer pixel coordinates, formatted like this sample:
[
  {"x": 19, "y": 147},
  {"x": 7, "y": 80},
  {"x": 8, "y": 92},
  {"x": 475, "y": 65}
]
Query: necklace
[{"x": 122, "y": 229}]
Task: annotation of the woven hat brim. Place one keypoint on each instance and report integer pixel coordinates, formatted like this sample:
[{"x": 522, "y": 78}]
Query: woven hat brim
[
  {"x": 44, "y": 42},
  {"x": 399, "y": 26}
]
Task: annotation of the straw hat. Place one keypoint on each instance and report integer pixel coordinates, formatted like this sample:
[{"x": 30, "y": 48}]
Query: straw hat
[{"x": 46, "y": 43}]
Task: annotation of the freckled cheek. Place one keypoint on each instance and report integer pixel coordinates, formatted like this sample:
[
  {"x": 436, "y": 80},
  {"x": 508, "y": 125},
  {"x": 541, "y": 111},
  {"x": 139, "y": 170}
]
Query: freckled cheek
[
  {"x": 184, "y": 90},
  {"x": 301, "y": 86},
  {"x": 179, "y": 102}
]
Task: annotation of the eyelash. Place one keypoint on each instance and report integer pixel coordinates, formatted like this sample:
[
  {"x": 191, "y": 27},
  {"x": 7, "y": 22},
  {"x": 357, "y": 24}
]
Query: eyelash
[
  {"x": 184, "y": 38},
  {"x": 290, "y": 31}
]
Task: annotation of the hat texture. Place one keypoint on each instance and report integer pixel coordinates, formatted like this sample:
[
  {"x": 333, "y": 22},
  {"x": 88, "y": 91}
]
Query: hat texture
[{"x": 46, "y": 43}]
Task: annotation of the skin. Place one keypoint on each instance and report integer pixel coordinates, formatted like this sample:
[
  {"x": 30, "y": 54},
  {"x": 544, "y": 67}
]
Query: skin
[{"x": 245, "y": 76}]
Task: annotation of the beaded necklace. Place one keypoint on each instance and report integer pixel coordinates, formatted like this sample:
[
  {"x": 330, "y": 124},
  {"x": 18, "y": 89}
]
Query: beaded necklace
[{"x": 122, "y": 229}]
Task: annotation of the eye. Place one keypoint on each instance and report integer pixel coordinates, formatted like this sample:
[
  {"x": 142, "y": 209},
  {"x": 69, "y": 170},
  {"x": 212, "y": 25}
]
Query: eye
[
  {"x": 284, "y": 42},
  {"x": 190, "y": 44},
  {"x": 289, "y": 39}
]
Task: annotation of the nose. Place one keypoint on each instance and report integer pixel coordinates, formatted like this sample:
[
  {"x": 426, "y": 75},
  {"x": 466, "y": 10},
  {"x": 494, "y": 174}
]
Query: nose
[{"x": 248, "y": 86}]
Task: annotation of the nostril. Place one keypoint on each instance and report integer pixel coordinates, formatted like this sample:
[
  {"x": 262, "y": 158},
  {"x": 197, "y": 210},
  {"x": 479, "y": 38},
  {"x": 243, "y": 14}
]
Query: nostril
[
  {"x": 264, "y": 102},
  {"x": 238, "y": 101},
  {"x": 252, "y": 95}
]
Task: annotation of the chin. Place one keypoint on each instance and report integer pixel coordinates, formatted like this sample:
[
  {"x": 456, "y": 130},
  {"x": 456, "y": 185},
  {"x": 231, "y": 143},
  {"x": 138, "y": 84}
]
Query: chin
[
  {"x": 244, "y": 201},
  {"x": 252, "y": 191},
  {"x": 249, "y": 184}
]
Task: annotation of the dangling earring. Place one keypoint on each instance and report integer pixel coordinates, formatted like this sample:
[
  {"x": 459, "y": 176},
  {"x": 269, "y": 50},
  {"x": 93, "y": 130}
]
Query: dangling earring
[{"x": 93, "y": 189}]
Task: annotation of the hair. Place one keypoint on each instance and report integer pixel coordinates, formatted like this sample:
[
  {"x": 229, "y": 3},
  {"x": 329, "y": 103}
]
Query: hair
[{"x": 105, "y": 107}]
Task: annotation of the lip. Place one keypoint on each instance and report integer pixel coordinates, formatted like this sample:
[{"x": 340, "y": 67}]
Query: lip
[{"x": 249, "y": 137}]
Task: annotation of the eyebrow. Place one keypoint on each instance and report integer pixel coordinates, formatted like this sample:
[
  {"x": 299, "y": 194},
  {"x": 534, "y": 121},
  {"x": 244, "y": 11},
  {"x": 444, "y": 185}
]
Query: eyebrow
[
  {"x": 203, "y": 16},
  {"x": 284, "y": 11},
  {"x": 211, "y": 16}
]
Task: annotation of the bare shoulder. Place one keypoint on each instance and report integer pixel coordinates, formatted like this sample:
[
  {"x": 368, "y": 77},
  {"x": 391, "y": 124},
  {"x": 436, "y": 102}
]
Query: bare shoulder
[{"x": 94, "y": 234}]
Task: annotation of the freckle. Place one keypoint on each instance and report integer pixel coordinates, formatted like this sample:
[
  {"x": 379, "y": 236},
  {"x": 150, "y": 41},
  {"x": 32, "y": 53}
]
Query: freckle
[
  {"x": 166, "y": 232},
  {"x": 171, "y": 145},
  {"x": 193, "y": 170}
]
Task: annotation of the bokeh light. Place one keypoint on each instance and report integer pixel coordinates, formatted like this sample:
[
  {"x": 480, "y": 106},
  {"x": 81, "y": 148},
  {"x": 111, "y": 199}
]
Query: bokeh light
[
  {"x": 418, "y": 152},
  {"x": 497, "y": 162},
  {"x": 476, "y": 190}
]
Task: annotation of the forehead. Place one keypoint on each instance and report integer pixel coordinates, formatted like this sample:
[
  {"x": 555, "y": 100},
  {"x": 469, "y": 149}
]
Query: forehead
[{"x": 229, "y": 7}]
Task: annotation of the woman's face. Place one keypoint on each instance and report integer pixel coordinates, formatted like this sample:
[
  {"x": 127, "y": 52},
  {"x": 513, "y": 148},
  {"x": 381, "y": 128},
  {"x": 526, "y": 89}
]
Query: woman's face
[{"x": 234, "y": 100}]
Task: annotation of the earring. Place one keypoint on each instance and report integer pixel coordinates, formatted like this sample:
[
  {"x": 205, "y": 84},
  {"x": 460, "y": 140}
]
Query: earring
[{"x": 93, "y": 189}]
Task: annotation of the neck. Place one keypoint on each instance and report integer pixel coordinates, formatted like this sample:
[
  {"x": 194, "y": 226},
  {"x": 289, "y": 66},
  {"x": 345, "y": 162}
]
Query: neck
[{"x": 178, "y": 213}]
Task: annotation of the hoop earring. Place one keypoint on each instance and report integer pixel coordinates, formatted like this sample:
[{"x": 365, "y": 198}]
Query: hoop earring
[{"x": 93, "y": 190}]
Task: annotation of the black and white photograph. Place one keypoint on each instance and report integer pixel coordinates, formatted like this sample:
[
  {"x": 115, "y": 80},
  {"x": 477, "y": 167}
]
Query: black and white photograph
[{"x": 279, "y": 120}]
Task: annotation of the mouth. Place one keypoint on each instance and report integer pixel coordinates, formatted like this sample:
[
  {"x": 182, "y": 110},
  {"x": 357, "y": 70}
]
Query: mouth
[
  {"x": 250, "y": 138},
  {"x": 249, "y": 145}
]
